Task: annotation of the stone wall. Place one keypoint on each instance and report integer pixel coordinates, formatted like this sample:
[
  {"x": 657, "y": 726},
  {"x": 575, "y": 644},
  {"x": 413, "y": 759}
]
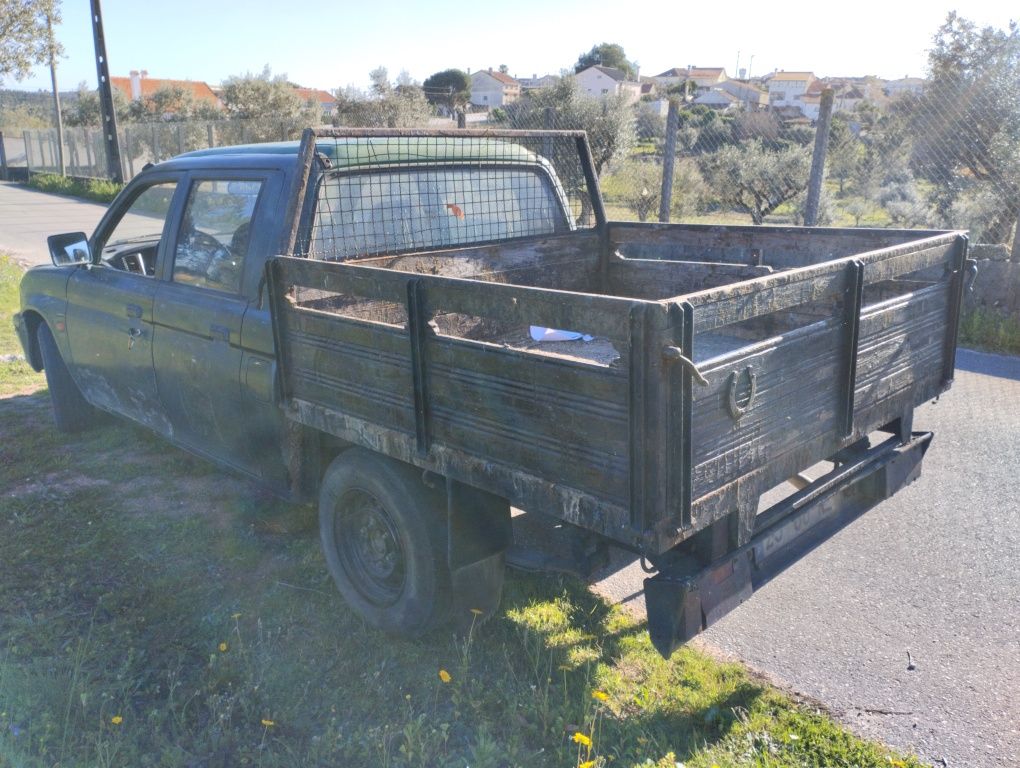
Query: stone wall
[{"x": 997, "y": 286}]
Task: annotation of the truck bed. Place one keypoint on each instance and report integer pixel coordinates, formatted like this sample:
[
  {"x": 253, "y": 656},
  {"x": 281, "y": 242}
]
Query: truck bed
[{"x": 724, "y": 361}]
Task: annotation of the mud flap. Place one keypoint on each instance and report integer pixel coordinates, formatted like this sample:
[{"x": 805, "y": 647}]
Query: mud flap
[
  {"x": 683, "y": 602},
  {"x": 480, "y": 531}
]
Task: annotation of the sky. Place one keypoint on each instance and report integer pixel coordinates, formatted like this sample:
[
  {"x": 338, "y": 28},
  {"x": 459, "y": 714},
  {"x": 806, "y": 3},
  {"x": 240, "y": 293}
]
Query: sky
[{"x": 335, "y": 44}]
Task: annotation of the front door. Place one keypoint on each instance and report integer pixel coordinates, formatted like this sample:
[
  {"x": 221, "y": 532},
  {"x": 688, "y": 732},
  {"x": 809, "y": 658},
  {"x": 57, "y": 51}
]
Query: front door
[
  {"x": 109, "y": 307},
  {"x": 198, "y": 315}
]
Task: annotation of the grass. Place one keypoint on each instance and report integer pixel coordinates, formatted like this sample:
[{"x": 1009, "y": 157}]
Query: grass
[
  {"x": 157, "y": 612},
  {"x": 15, "y": 373},
  {"x": 990, "y": 331},
  {"x": 100, "y": 190}
]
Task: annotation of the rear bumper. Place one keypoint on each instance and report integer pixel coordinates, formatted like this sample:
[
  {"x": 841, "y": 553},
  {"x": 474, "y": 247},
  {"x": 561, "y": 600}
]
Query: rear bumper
[{"x": 682, "y": 602}]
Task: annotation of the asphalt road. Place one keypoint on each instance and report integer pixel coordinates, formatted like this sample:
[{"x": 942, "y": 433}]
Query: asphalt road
[
  {"x": 934, "y": 571},
  {"x": 28, "y": 217}
]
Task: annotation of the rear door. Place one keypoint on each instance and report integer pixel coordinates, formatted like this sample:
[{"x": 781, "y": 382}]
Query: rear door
[
  {"x": 198, "y": 315},
  {"x": 109, "y": 305}
]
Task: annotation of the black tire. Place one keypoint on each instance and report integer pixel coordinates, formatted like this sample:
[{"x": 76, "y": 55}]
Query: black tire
[
  {"x": 383, "y": 534},
  {"x": 71, "y": 411}
]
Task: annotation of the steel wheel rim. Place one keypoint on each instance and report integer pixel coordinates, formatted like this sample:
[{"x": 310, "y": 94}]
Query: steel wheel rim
[{"x": 369, "y": 548}]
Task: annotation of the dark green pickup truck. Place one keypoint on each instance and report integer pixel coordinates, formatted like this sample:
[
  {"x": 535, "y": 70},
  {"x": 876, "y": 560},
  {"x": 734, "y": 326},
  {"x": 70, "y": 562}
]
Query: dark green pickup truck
[{"x": 424, "y": 330}]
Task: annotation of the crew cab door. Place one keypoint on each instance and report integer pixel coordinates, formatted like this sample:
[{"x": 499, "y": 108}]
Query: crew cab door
[
  {"x": 199, "y": 311},
  {"x": 109, "y": 305}
]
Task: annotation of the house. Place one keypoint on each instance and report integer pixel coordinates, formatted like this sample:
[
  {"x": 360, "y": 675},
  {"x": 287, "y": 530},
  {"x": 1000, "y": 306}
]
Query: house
[
  {"x": 718, "y": 99},
  {"x": 705, "y": 78},
  {"x": 911, "y": 85},
  {"x": 535, "y": 82},
  {"x": 491, "y": 88},
  {"x": 313, "y": 96},
  {"x": 750, "y": 96},
  {"x": 140, "y": 86},
  {"x": 785, "y": 88},
  {"x": 599, "y": 82}
]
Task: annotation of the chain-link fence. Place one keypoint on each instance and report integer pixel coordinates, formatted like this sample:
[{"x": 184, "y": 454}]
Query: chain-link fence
[{"x": 919, "y": 154}]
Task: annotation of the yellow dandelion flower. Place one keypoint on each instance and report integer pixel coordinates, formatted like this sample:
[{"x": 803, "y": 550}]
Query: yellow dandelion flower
[
  {"x": 116, "y": 719},
  {"x": 600, "y": 695},
  {"x": 581, "y": 739},
  {"x": 268, "y": 723},
  {"x": 235, "y": 616},
  {"x": 477, "y": 611},
  {"x": 587, "y": 764},
  {"x": 445, "y": 676},
  {"x": 564, "y": 667},
  {"x": 223, "y": 647}
]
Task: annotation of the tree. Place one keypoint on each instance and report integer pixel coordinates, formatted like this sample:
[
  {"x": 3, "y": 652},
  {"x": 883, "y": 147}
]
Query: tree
[
  {"x": 608, "y": 122},
  {"x": 249, "y": 97},
  {"x": 84, "y": 111},
  {"x": 967, "y": 122},
  {"x": 606, "y": 55},
  {"x": 751, "y": 179},
  {"x": 450, "y": 88},
  {"x": 24, "y": 39},
  {"x": 385, "y": 105}
]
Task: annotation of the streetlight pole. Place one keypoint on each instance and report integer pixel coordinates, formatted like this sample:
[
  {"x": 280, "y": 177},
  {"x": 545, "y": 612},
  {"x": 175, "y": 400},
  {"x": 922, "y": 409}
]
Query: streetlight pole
[{"x": 109, "y": 115}]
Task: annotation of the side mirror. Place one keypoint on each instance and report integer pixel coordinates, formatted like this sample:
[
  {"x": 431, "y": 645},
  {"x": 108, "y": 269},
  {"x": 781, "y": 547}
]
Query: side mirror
[{"x": 69, "y": 248}]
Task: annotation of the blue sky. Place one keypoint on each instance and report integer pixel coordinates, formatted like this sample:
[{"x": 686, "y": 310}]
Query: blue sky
[{"x": 327, "y": 45}]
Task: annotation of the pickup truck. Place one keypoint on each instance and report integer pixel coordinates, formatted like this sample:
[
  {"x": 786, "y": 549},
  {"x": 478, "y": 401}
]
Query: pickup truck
[{"x": 365, "y": 317}]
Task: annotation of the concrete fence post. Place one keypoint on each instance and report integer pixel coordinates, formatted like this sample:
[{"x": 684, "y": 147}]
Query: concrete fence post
[
  {"x": 818, "y": 159},
  {"x": 669, "y": 160},
  {"x": 3, "y": 158}
]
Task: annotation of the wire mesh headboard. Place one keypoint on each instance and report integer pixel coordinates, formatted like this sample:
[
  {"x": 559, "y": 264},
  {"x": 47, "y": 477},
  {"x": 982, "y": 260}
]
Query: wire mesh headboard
[{"x": 373, "y": 192}]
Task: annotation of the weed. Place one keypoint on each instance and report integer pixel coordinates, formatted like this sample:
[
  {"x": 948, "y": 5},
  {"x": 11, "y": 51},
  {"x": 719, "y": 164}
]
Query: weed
[
  {"x": 100, "y": 190},
  {"x": 991, "y": 331}
]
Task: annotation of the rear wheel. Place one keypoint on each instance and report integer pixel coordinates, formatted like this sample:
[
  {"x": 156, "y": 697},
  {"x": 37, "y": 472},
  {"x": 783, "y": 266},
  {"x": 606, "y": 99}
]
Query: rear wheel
[
  {"x": 384, "y": 538},
  {"x": 71, "y": 411}
]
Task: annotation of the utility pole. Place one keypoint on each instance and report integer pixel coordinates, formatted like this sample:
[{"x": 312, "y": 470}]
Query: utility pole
[
  {"x": 814, "y": 192},
  {"x": 109, "y": 115},
  {"x": 56, "y": 95}
]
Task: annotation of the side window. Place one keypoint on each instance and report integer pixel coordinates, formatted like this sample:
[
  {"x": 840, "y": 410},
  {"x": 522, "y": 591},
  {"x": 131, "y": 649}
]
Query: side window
[
  {"x": 214, "y": 236},
  {"x": 133, "y": 242}
]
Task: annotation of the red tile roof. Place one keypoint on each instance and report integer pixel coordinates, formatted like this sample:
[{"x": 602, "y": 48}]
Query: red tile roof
[
  {"x": 314, "y": 94},
  {"x": 198, "y": 89}
]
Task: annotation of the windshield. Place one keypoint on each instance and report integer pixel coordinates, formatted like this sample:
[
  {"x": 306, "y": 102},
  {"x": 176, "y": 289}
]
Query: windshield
[{"x": 409, "y": 209}]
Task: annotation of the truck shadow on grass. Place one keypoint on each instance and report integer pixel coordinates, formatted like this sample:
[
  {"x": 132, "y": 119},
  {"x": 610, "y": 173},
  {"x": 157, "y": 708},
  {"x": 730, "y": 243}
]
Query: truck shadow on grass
[{"x": 155, "y": 611}]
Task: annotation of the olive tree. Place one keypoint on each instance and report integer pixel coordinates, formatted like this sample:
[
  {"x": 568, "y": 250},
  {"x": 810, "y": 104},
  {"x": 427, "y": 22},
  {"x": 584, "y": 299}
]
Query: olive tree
[{"x": 754, "y": 180}]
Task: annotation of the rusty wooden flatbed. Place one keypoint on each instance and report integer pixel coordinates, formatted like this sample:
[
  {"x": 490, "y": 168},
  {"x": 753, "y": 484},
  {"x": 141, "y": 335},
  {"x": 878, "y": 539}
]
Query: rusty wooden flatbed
[{"x": 743, "y": 356}]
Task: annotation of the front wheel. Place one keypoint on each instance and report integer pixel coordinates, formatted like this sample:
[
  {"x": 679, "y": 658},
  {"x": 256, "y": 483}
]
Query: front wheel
[
  {"x": 384, "y": 538},
  {"x": 71, "y": 411}
]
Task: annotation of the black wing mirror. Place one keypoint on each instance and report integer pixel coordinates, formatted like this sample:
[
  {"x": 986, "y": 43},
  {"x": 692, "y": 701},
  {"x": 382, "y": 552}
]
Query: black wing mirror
[{"x": 69, "y": 248}]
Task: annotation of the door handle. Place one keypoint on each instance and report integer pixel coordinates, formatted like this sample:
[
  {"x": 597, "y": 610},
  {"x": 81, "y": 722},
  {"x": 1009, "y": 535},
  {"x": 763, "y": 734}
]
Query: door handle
[
  {"x": 219, "y": 333},
  {"x": 134, "y": 333},
  {"x": 133, "y": 310}
]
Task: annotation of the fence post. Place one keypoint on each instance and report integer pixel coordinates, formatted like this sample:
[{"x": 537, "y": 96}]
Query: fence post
[
  {"x": 818, "y": 159},
  {"x": 155, "y": 144},
  {"x": 3, "y": 158},
  {"x": 211, "y": 134},
  {"x": 461, "y": 118},
  {"x": 669, "y": 160},
  {"x": 128, "y": 153},
  {"x": 180, "y": 140}
]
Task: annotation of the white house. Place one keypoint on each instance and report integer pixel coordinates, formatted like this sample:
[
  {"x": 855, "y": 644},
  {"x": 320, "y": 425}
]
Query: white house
[
  {"x": 493, "y": 89},
  {"x": 535, "y": 82},
  {"x": 911, "y": 85},
  {"x": 705, "y": 78},
  {"x": 786, "y": 88},
  {"x": 598, "y": 81},
  {"x": 718, "y": 99},
  {"x": 750, "y": 97}
]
